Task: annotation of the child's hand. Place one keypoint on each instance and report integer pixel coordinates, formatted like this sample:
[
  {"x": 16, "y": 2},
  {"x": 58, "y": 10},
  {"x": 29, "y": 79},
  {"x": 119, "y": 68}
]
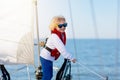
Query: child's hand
[{"x": 73, "y": 60}]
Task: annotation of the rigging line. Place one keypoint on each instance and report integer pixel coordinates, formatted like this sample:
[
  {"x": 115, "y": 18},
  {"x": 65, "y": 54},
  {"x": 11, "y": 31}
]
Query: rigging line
[
  {"x": 96, "y": 32},
  {"x": 37, "y": 26},
  {"x": 69, "y": 4},
  {"x": 118, "y": 46},
  {"x": 28, "y": 71},
  {"x": 18, "y": 70},
  {"x": 94, "y": 19},
  {"x": 92, "y": 71},
  {"x": 72, "y": 27}
]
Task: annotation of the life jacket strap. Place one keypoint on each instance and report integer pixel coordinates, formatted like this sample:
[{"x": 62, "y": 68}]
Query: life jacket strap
[{"x": 47, "y": 48}]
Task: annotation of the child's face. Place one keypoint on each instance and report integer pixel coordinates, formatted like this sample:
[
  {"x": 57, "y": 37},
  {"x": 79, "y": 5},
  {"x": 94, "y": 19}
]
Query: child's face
[{"x": 61, "y": 28}]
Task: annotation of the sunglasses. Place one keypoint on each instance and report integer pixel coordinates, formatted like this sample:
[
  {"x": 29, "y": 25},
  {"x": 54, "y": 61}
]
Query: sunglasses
[{"x": 61, "y": 25}]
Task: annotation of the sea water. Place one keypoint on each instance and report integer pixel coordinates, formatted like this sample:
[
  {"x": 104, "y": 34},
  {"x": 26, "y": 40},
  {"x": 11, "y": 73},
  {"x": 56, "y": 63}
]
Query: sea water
[{"x": 96, "y": 60}]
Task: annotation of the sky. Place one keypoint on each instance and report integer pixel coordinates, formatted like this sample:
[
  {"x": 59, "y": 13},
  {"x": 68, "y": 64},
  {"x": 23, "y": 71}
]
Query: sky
[{"x": 84, "y": 21}]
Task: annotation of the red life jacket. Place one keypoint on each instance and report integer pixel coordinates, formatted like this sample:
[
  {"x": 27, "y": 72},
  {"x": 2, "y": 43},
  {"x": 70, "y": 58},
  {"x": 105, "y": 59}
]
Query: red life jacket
[{"x": 55, "y": 53}]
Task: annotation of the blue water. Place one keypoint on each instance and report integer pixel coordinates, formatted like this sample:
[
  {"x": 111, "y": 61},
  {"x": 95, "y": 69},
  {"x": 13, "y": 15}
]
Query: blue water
[{"x": 99, "y": 59}]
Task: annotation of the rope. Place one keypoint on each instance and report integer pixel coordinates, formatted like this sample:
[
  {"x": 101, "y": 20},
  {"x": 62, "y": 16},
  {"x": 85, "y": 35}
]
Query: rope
[
  {"x": 118, "y": 46},
  {"x": 29, "y": 78},
  {"x": 95, "y": 73},
  {"x": 96, "y": 33},
  {"x": 69, "y": 4},
  {"x": 18, "y": 70},
  {"x": 94, "y": 20}
]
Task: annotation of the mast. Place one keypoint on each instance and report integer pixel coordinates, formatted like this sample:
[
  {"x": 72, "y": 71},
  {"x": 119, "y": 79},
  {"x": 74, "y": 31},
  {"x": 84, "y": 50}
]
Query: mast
[
  {"x": 37, "y": 29},
  {"x": 38, "y": 71}
]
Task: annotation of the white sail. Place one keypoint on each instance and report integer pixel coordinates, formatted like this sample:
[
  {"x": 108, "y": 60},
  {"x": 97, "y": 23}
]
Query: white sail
[{"x": 16, "y": 32}]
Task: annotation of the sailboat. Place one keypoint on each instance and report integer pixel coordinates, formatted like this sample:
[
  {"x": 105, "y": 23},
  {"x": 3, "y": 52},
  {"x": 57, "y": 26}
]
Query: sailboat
[
  {"x": 17, "y": 33},
  {"x": 18, "y": 19}
]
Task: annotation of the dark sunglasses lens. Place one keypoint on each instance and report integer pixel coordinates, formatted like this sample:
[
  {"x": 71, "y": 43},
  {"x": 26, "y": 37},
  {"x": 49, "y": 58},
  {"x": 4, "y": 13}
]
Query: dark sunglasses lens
[
  {"x": 60, "y": 25},
  {"x": 65, "y": 24}
]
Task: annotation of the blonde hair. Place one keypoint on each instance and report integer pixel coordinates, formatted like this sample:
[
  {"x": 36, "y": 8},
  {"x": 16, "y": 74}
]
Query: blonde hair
[{"x": 55, "y": 21}]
